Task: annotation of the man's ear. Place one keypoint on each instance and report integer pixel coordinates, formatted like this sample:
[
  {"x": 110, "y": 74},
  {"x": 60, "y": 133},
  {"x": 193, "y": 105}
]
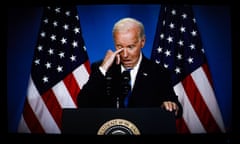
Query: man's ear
[{"x": 143, "y": 40}]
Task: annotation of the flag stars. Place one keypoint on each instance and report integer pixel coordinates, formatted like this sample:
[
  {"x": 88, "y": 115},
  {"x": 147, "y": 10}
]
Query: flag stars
[
  {"x": 57, "y": 10},
  {"x": 164, "y": 22},
  {"x": 55, "y": 23},
  {"x": 45, "y": 79},
  {"x": 159, "y": 49},
  {"x": 66, "y": 27},
  {"x": 167, "y": 53},
  {"x": 55, "y": 58},
  {"x": 194, "y": 33},
  {"x": 77, "y": 17},
  {"x": 64, "y": 40},
  {"x": 162, "y": 36},
  {"x": 171, "y": 25},
  {"x": 50, "y": 51},
  {"x": 76, "y": 30},
  {"x": 60, "y": 68},
  {"x": 190, "y": 60},
  {"x": 45, "y": 20},
  {"x": 165, "y": 65},
  {"x": 42, "y": 34},
  {"x": 184, "y": 16},
  {"x": 73, "y": 58},
  {"x": 183, "y": 52},
  {"x": 61, "y": 55},
  {"x": 192, "y": 46},
  {"x": 182, "y": 29},
  {"x": 53, "y": 37},
  {"x": 157, "y": 61},
  {"x": 37, "y": 62},
  {"x": 170, "y": 39},
  {"x": 180, "y": 43},
  {"x": 85, "y": 49},
  {"x": 179, "y": 56},
  {"x": 194, "y": 20},
  {"x": 67, "y": 13},
  {"x": 173, "y": 12},
  {"x": 48, "y": 65},
  {"x": 75, "y": 44},
  {"x": 177, "y": 70},
  {"x": 40, "y": 48}
]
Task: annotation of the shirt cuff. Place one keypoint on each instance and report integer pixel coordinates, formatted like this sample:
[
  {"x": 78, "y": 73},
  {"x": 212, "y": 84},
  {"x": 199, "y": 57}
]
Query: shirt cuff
[{"x": 102, "y": 70}]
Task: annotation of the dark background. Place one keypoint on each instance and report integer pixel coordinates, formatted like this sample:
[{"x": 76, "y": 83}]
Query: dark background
[{"x": 214, "y": 23}]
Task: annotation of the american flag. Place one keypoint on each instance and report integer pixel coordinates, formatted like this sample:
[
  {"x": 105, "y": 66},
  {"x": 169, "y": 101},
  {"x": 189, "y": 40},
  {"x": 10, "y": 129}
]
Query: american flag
[
  {"x": 60, "y": 68},
  {"x": 178, "y": 47}
]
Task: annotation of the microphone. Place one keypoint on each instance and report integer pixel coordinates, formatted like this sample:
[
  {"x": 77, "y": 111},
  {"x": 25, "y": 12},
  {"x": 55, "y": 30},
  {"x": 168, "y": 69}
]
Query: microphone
[
  {"x": 125, "y": 82},
  {"x": 108, "y": 85},
  {"x": 109, "y": 88},
  {"x": 125, "y": 87}
]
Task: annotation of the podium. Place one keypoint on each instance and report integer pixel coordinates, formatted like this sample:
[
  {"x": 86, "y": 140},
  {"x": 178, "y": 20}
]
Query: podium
[{"x": 122, "y": 121}]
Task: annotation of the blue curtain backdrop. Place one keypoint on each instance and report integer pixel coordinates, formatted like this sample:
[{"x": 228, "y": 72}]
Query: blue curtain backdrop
[{"x": 214, "y": 24}]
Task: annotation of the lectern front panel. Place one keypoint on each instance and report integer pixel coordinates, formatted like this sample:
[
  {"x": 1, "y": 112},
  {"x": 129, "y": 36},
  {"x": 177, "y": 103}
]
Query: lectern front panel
[{"x": 107, "y": 121}]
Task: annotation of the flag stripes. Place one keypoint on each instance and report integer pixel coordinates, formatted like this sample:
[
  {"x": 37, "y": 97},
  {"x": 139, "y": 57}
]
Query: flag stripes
[
  {"x": 49, "y": 106},
  {"x": 178, "y": 47},
  {"x": 190, "y": 122},
  {"x": 60, "y": 68},
  {"x": 201, "y": 110}
]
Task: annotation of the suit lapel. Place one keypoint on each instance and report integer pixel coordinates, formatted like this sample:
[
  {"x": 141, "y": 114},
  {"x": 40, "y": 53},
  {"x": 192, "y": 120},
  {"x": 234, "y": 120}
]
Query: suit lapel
[{"x": 142, "y": 76}]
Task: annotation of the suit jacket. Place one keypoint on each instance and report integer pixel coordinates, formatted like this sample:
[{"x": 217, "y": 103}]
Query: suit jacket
[{"x": 152, "y": 87}]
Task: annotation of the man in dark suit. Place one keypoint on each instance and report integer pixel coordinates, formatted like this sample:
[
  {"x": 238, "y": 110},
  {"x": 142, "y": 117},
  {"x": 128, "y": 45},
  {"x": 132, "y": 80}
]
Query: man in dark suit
[{"x": 150, "y": 83}]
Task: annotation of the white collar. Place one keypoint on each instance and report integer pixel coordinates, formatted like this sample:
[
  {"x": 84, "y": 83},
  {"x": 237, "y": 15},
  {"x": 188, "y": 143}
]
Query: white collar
[{"x": 133, "y": 72}]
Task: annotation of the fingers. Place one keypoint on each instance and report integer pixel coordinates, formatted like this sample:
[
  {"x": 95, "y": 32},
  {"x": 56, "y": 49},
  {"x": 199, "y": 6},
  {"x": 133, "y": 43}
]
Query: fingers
[
  {"x": 117, "y": 59},
  {"x": 118, "y": 51},
  {"x": 170, "y": 106},
  {"x": 110, "y": 57},
  {"x": 117, "y": 56}
]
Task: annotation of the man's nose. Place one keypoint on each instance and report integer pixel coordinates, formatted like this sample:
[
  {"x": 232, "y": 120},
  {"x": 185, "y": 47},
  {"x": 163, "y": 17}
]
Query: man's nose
[{"x": 125, "y": 52}]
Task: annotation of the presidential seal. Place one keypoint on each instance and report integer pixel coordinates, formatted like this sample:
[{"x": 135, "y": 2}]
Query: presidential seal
[{"x": 118, "y": 127}]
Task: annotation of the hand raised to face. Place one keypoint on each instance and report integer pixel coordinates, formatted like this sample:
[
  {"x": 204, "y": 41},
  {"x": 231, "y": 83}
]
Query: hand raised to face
[{"x": 110, "y": 57}]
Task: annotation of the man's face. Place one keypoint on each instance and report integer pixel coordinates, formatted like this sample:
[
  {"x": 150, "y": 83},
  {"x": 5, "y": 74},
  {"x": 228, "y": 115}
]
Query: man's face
[{"x": 131, "y": 44}]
